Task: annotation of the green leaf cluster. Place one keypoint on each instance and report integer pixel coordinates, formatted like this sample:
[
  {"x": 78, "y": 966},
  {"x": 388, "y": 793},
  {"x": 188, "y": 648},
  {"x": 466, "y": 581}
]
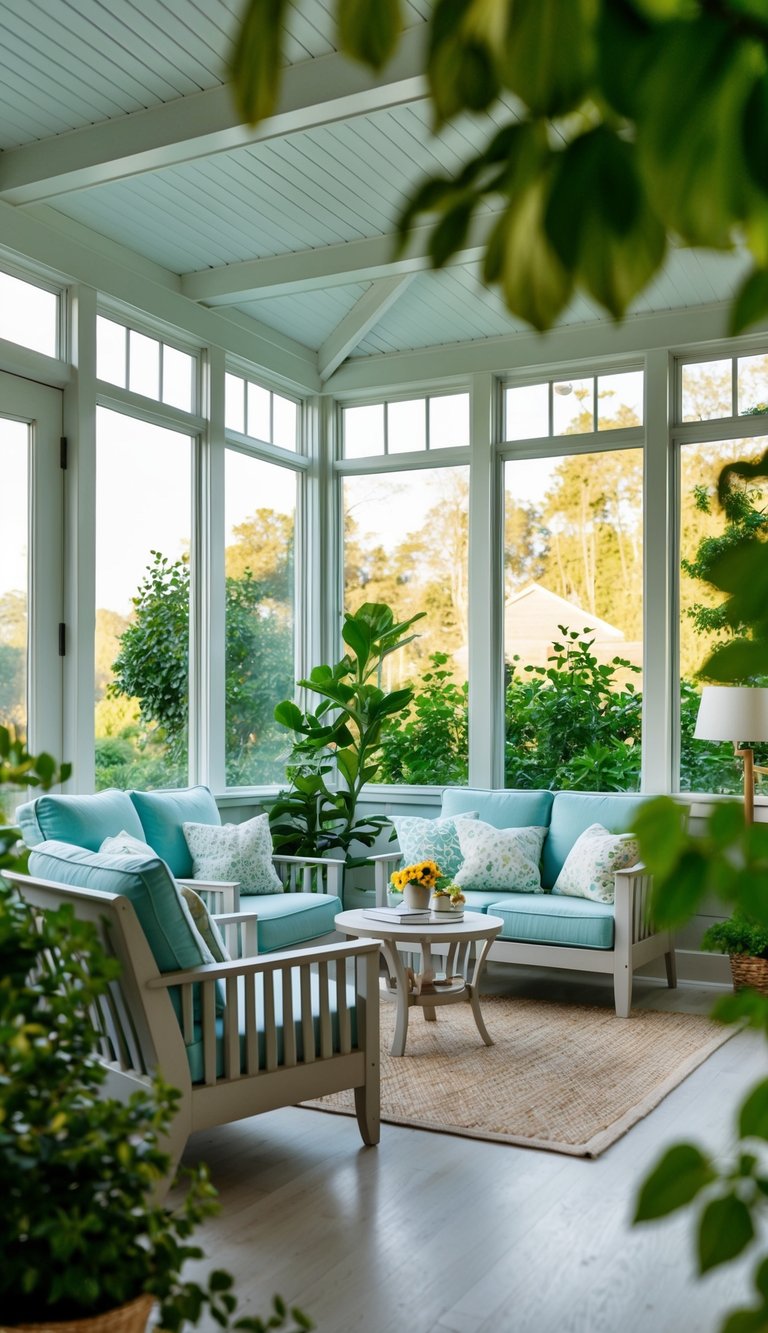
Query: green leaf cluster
[
  {"x": 337, "y": 746},
  {"x": 428, "y": 744},
  {"x": 640, "y": 124}
]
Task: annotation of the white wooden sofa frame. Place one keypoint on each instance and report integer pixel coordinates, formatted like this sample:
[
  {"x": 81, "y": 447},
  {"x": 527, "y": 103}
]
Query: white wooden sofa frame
[
  {"x": 140, "y": 1034},
  {"x": 636, "y": 941},
  {"x": 298, "y": 874}
]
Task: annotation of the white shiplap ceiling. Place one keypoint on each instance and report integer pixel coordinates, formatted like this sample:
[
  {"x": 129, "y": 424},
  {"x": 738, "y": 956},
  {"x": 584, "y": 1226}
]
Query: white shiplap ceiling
[{"x": 119, "y": 118}]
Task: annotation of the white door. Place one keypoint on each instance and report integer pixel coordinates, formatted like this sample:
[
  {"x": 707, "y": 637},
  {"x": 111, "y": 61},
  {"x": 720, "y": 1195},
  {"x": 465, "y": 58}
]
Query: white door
[{"x": 31, "y": 561}]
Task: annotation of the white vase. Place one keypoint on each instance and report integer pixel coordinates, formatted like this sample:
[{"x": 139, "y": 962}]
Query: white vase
[
  {"x": 416, "y": 896},
  {"x": 440, "y": 903}
]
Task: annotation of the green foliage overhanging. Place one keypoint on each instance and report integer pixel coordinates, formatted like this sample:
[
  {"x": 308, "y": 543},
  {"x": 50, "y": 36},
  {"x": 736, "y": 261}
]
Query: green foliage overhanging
[
  {"x": 337, "y": 745},
  {"x": 643, "y": 123}
]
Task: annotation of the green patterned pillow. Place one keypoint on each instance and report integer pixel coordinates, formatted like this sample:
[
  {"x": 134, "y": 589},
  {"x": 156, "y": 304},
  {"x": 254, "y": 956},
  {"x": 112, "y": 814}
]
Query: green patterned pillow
[
  {"x": 430, "y": 840},
  {"x": 205, "y": 924},
  {"x": 241, "y": 852},
  {"x": 591, "y": 863},
  {"x": 500, "y": 858}
]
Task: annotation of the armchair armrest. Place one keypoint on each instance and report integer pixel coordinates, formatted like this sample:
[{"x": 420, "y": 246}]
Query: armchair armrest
[
  {"x": 382, "y": 865},
  {"x": 240, "y": 933},
  {"x": 632, "y": 903},
  {"x": 310, "y": 874},
  {"x": 219, "y": 895}
]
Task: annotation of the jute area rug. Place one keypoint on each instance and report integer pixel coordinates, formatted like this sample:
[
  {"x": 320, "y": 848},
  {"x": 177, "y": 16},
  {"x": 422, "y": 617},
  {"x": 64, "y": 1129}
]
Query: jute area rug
[{"x": 563, "y": 1077}]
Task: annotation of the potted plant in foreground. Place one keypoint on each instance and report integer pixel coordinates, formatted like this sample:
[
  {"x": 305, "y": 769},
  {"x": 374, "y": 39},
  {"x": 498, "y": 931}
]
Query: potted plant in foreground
[
  {"x": 84, "y": 1247},
  {"x": 747, "y": 947}
]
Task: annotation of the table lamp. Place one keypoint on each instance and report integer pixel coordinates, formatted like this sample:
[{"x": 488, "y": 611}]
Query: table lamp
[{"x": 736, "y": 713}]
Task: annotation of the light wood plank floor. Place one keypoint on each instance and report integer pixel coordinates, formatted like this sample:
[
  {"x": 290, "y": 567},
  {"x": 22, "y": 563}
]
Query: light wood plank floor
[{"x": 429, "y": 1233}]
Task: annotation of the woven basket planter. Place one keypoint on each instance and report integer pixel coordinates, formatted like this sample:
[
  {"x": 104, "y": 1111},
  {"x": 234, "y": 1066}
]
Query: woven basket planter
[
  {"x": 748, "y": 971},
  {"x": 130, "y": 1318}
]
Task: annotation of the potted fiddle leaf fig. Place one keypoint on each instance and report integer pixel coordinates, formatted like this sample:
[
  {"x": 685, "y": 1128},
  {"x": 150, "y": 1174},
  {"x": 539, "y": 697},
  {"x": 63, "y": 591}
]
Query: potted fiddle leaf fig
[{"x": 337, "y": 743}]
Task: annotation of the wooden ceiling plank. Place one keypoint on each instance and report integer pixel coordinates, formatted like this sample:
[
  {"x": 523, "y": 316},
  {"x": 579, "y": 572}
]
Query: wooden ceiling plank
[{"x": 361, "y": 319}]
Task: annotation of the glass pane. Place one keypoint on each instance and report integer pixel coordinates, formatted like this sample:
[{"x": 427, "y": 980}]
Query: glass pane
[
  {"x": 178, "y": 378},
  {"x": 405, "y": 543},
  {"x": 234, "y": 403},
  {"x": 709, "y": 766},
  {"x": 143, "y": 524},
  {"x": 260, "y": 523},
  {"x": 364, "y": 431},
  {"x": 753, "y": 385},
  {"x": 448, "y": 421},
  {"x": 111, "y": 343},
  {"x": 258, "y": 424},
  {"x": 527, "y": 410},
  {"x": 29, "y": 316},
  {"x": 620, "y": 400},
  {"x": 707, "y": 390},
  {"x": 573, "y": 407},
  {"x": 573, "y": 615},
  {"x": 407, "y": 426},
  {"x": 143, "y": 364},
  {"x": 14, "y": 437},
  {"x": 284, "y": 422}
]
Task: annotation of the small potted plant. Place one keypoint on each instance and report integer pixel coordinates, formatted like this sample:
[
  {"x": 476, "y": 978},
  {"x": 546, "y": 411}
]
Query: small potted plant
[
  {"x": 747, "y": 948},
  {"x": 446, "y": 896},
  {"x": 416, "y": 883}
]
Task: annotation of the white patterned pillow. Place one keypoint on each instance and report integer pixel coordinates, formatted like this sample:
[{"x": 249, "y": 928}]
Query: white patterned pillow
[
  {"x": 499, "y": 858},
  {"x": 125, "y": 844},
  {"x": 591, "y": 863},
  {"x": 430, "y": 840},
  {"x": 240, "y": 852}
]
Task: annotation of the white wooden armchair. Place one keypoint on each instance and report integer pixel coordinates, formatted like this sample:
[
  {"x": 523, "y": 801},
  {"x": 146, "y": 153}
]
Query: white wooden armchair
[{"x": 295, "y": 1024}]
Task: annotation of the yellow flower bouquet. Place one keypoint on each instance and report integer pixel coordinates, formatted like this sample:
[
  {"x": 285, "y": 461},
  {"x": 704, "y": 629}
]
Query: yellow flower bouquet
[{"x": 425, "y": 873}]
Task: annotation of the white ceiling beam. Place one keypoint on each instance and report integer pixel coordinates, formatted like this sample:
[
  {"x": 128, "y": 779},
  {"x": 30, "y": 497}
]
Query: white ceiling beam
[
  {"x": 327, "y": 266},
  {"x": 365, "y": 313},
  {"x": 314, "y": 92}
]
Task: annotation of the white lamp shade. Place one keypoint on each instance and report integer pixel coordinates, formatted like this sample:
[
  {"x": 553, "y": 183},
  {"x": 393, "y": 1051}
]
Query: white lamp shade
[{"x": 732, "y": 713}]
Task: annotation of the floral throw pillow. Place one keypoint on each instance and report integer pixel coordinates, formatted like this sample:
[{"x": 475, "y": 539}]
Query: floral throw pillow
[
  {"x": 590, "y": 865},
  {"x": 125, "y": 844},
  {"x": 430, "y": 840},
  {"x": 240, "y": 852},
  {"x": 500, "y": 858}
]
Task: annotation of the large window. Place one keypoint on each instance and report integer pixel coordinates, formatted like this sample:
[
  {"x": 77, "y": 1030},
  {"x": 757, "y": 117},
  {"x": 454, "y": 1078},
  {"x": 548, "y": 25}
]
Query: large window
[
  {"x": 145, "y": 365},
  {"x": 406, "y": 544},
  {"x": 573, "y": 608},
  {"x": 14, "y": 573},
  {"x": 259, "y": 560},
  {"x": 143, "y": 534}
]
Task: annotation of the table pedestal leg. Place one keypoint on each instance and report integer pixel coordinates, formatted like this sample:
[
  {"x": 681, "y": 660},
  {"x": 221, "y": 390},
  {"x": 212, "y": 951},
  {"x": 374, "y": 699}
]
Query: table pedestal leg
[
  {"x": 402, "y": 991},
  {"x": 473, "y": 990}
]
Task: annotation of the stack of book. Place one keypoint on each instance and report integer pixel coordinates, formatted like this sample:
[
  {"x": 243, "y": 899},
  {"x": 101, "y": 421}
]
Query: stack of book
[{"x": 411, "y": 916}]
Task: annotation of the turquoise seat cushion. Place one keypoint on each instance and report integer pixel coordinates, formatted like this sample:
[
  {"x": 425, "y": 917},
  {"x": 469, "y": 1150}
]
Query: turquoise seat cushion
[
  {"x": 480, "y": 900},
  {"x": 502, "y": 809},
  {"x": 146, "y": 882},
  {"x": 162, "y": 815},
  {"x": 84, "y": 821},
  {"x": 575, "y": 811},
  {"x": 542, "y": 919},
  {"x": 195, "y": 1049},
  {"x": 287, "y": 920}
]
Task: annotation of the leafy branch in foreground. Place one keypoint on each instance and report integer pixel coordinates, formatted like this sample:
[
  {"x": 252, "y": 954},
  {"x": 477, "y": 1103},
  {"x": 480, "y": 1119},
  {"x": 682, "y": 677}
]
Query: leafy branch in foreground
[{"x": 587, "y": 187}]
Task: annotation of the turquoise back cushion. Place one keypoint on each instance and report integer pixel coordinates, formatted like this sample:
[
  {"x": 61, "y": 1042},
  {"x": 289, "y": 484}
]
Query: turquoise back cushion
[
  {"x": 146, "y": 882},
  {"x": 84, "y": 821},
  {"x": 502, "y": 809},
  {"x": 162, "y": 815},
  {"x": 573, "y": 812}
]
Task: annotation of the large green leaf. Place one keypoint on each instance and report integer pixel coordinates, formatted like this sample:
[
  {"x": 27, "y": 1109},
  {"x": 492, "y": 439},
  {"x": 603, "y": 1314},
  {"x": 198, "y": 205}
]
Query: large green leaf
[
  {"x": 359, "y": 637},
  {"x": 548, "y": 57},
  {"x": 348, "y": 764},
  {"x": 625, "y": 47},
  {"x": 660, "y": 825},
  {"x": 753, "y": 1116},
  {"x": 600, "y": 222},
  {"x": 691, "y": 107},
  {"x": 750, "y": 303},
  {"x": 680, "y": 1175},
  {"x": 288, "y": 714},
  {"x": 739, "y": 660},
  {"x": 461, "y": 70},
  {"x": 534, "y": 284},
  {"x": 257, "y": 59},
  {"x": 369, "y": 32},
  {"x": 677, "y": 897},
  {"x": 725, "y": 1229}
]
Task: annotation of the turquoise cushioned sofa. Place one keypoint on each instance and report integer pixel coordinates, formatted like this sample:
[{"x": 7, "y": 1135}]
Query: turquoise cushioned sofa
[
  {"x": 549, "y": 930},
  {"x": 303, "y": 914}
]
